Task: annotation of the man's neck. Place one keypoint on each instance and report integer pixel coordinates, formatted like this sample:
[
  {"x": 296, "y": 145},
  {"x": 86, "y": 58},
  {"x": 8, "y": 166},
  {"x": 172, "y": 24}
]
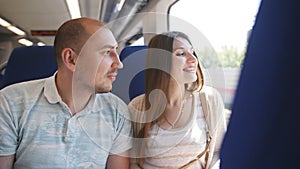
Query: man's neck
[{"x": 75, "y": 95}]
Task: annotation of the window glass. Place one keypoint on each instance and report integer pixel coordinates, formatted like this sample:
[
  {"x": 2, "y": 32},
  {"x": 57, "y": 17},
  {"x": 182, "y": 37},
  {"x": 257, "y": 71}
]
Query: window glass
[
  {"x": 218, "y": 30},
  {"x": 138, "y": 42}
]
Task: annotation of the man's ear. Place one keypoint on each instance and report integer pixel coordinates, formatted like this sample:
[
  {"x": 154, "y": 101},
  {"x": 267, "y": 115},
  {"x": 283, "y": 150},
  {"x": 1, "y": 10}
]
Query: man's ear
[{"x": 69, "y": 58}]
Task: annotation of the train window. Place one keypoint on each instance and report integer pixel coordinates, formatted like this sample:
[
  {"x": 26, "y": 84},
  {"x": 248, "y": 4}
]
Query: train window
[
  {"x": 218, "y": 30},
  {"x": 138, "y": 42}
]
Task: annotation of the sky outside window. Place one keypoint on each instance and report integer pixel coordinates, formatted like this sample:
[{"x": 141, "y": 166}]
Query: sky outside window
[{"x": 223, "y": 22}]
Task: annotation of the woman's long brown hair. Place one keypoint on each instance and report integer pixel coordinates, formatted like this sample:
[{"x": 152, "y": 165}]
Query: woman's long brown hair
[{"x": 159, "y": 55}]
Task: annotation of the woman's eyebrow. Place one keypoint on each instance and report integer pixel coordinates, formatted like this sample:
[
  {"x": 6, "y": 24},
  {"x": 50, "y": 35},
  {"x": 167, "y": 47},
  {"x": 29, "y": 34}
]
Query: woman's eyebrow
[
  {"x": 183, "y": 48},
  {"x": 178, "y": 48}
]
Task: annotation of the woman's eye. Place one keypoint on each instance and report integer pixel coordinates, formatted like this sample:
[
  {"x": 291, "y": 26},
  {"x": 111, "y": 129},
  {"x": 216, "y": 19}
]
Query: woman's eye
[{"x": 180, "y": 54}]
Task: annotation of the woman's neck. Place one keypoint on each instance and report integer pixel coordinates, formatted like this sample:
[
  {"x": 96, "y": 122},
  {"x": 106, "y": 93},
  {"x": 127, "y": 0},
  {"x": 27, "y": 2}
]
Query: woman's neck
[{"x": 175, "y": 94}]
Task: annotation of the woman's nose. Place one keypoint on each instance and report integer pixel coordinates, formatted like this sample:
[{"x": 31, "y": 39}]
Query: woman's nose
[{"x": 191, "y": 57}]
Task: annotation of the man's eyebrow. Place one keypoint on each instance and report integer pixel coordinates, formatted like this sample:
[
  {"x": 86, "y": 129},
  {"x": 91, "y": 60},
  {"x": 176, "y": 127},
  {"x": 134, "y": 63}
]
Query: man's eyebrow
[{"x": 109, "y": 46}]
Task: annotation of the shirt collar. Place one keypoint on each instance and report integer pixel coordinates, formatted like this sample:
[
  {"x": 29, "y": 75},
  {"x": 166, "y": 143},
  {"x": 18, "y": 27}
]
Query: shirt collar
[{"x": 50, "y": 90}]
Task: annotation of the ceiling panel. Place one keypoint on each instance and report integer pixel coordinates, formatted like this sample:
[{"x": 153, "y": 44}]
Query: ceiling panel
[
  {"x": 50, "y": 14},
  {"x": 35, "y": 15}
]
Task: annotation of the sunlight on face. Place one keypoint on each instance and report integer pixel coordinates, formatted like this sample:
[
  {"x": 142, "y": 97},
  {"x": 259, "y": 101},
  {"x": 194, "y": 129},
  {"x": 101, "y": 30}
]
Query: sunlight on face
[
  {"x": 184, "y": 63},
  {"x": 98, "y": 62}
]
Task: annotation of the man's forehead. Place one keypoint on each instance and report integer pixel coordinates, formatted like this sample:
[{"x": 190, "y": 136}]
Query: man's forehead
[{"x": 103, "y": 37}]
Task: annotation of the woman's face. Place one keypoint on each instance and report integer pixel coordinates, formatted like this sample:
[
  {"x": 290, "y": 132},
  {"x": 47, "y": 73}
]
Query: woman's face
[{"x": 184, "y": 63}]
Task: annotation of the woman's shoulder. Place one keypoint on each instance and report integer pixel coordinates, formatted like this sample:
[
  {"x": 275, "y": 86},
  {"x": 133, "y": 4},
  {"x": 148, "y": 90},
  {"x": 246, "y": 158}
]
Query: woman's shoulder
[
  {"x": 136, "y": 106},
  {"x": 211, "y": 94},
  {"x": 209, "y": 90},
  {"x": 137, "y": 101}
]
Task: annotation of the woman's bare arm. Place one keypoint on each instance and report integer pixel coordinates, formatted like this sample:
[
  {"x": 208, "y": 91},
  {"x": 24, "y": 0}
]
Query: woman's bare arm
[
  {"x": 120, "y": 161},
  {"x": 6, "y": 162}
]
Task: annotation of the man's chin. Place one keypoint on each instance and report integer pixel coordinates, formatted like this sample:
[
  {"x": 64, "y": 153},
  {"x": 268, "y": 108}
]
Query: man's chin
[
  {"x": 103, "y": 90},
  {"x": 99, "y": 92}
]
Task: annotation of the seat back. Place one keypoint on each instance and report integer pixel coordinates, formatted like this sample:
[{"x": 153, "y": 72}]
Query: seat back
[
  {"x": 130, "y": 80},
  {"x": 264, "y": 125},
  {"x": 29, "y": 63}
]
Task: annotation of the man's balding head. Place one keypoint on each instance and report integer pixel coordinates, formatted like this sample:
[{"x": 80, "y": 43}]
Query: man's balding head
[{"x": 73, "y": 34}]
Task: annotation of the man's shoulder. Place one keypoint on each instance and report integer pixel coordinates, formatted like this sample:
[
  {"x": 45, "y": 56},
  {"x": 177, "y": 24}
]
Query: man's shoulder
[
  {"x": 111, "y": 106},
  {"x": 24, "y": 87},
  {"x": 22, "y": 94}
]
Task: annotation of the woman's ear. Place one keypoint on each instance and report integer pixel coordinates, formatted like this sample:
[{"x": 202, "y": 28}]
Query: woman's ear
[{"x": 69, "y": 58}]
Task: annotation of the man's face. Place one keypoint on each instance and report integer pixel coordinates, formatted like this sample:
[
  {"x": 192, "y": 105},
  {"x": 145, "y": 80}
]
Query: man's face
[{"x": 98, "y": 62}]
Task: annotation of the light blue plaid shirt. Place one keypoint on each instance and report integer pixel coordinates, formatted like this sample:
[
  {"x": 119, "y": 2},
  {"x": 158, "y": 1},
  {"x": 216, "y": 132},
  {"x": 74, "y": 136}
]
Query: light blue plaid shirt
[{"x": 38, "y": 127}]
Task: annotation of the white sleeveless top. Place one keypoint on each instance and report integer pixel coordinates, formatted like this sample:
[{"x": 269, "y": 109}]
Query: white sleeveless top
[{"x": 173, "y": 148}]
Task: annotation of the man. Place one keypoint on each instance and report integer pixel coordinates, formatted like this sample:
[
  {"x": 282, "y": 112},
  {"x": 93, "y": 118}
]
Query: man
[{"x": 63, "y": 121}]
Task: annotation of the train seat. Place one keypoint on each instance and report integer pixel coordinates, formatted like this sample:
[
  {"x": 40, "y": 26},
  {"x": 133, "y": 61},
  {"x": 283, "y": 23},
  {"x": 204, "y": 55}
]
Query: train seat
[
  {"x": 130, "y": 80},
  {"x": 29, "y": 63}
]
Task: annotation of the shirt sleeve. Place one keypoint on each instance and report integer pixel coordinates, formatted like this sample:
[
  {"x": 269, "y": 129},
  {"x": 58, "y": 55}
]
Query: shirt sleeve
[
  {"x": 8, "y": 129},
  {"x": 123, "y": 139}
]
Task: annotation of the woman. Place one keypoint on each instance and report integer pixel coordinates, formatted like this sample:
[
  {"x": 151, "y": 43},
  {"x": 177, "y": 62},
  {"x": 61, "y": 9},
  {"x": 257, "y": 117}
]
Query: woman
[{"x": 178, "y": 122}]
